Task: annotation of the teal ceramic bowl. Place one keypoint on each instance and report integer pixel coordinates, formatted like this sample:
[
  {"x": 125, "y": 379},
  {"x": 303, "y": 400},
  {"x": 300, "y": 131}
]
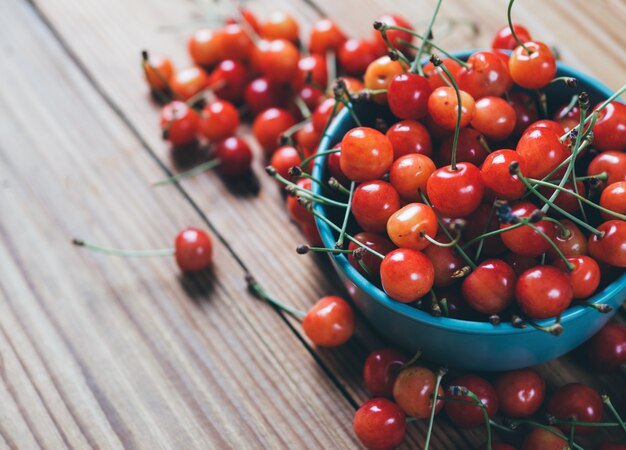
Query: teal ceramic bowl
[{"x": 458, "y": 343}]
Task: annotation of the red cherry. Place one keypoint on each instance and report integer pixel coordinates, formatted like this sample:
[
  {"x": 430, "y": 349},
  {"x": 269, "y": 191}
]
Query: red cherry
[
  {"x": 311, "y": 96},
  {"x": 469, "y": 416},
  {"x": 280, "y": 25},
  {"x": 609, "y": 132},
  {"x": 322, "y": 115},
  {"x": 613, "y": 198},
  {"x": 236, "y": 44},
  {"x": 284, "y": 158},
  {"x": 235, "y": 157},
  {"x": 611, "y": 162},
  {"x": 525, "y": 111},
  {"x": 325, "y": 37},
  {"x": 311, "y": 70},
  {"x": 269, "y": 125},
  {"x": 549, "y": 124},
  {"x": 229, "y": 80},
  {"x": 565, "y": 200},
  {"x": 373, "y": 202},
  {"x": 543, "y": 292},
  {"x": 355, "y": 55},
  {"x": 193, "y": 250},
  {"x": 246, "y": 16},
  {"x": 446, "y": 262},
  {"x": 532, "y": 70},
  {"x": 482, "y": 221},
  {"x": 179, "y": 123},
  {"x": 469, "y": 149},
  {"x": 380, "y": 424},
  {"x": 496, "y": 176},
  {"x": 263, "y": 93},
  {"x": 610, "y": 249},
  {"x": 158, "y": 68},
  {"x": 395, "y": 36},
  {"x": 524, "y": 240},
  {"x": 455, "y": 192},
  {"x": 487, "y": 76},
  {"x": 297, "y": 212},
  {"x": 579, "y": 402},
  {"x": 406, "y": 275},
  {"x": 538, "y": 438},
  {"x": 377, "y": 243},
  {"x": 409, "y": 175},
  {"x": 366, "y": 154},
  {"x": 503, "y": 39},
  {"x": 490, "y": 288},
  {"x": 443, "y": 107},
  {"x": 188, "y": 82},
  {"x": 219, "y": 120},
  {"x": 606, "y": 350},
  {"x": 406, "y": 226},
  {"x": 494, "y": 117},
  {"x": 436, "y": 75},
  {"x": 381, "y": 370},
  {"x": 585, "y": 278},
  {"x": 408, "y": 96},
  {"x": 308, "y": 139},
  {"x": 333, "y": 162},
  {"x": 408, "y": 137},
  {"x": 413, "y": 391},
  {"x": 279, "y": 61},
  {"x": 542, "y": 150},
  {"x": 520, "y": 392},
  {"x": 572, "y": 244},
  {"x": 379, "y": 74},
  {"x": 330, "y": 322},
  {"x": 205, "y": 46}
]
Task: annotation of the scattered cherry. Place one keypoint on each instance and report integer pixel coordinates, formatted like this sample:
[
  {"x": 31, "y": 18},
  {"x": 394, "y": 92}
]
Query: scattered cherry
[
  {"x": 578, "y": 402},
  {"x": 520, "y": 392},
  {"x": 330, "y": 322},
  {"x": 381, "y": 369},
  {"x": 380, "y": 424},
  {"x": 470, "y": 416},
  {"x": 413, "y": 392}
]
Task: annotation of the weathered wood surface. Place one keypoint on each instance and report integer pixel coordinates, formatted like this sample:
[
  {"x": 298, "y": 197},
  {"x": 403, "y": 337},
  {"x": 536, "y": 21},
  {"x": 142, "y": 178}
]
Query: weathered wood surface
[{"x": 107, "y": 352}]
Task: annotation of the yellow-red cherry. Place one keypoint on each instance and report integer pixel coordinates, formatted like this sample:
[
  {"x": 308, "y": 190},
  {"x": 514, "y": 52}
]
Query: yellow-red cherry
[
  {"x": 330, "y": 322},
  {"x": 406, "y": 275},
  {"x": 413, "y": 392},
  {"x": 443, "y": 107},
  {"x": 494, "y": 117},
  {"x": 407, "y": 225},
  {"x": 409, "y": 175},
  {"x": 532, "y": 66},
  {"x": 366, "y": 154}
]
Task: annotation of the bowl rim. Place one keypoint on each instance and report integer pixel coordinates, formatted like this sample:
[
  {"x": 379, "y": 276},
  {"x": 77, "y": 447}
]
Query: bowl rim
[{"x": 447, "y": 323}]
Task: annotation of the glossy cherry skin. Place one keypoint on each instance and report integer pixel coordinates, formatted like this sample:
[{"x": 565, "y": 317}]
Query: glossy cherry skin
[
  {"x": 565, "y": 200},
  {"x": 542, "y": 151},
  {"x": 538, "y": 438},
  {"x": 611, "y": 249},
  {"x": 373, "y": 202},
  {"x": 409, "y": 175},
  {"x": 377, "y": 243},
  {"x": 179, "y": 123},
  {"x": 229, "y": 80},
  {"x": 394, "y": 36},
  {"x": 524, "y": 240},
  {"x": 456, "y": 193},
  {"x": 193, "y": 250},
  {"x": 490, "y": 288},
  {"x": 543, "y": 292},
  {"x": 408, "y": 96},
  {"x": 545, "y": 123},
  {"x": 611, "y": 162},
  {"x": 158, "y": 68},
  {"x": 311, "y": 70},
  {"x": 205, "y": 46},
  {"x": 572, "y": 244},
  {"x": 525, "y": 111},
  {"x": 406, "y": 275},
  {"x": 269, "y": 125},
  {"x": 469, "y": 149},
  {"x": 307, "y": 139},
  {"x": 297, "y": 212},
  {"x": 334, "y": 168},
  {"x": 436, "y": 75},
  {"x": 322, "y": 115},
  {"x": 380, "y": 371},
  {"x": 366, "y": 154},
  {"x": 284, "y": 158},
  {"x": 280, "y": 25},
  {"x": 379, "y": 74},
  {"x": 482, "y": 221},
  {"x": 219, "y": 120},
  {"x": 585, "y": 278},
  {"x": 262, "y": 93},
  {"x": 188, "y": 82},
  {"x": 520, "y": 392},
  {"x": 235, "y": 42},
  {"x": 325, "y": 37},
  {"x": 494, "y": 117},
  {"x": 497, "y": 177},
  {"x": 503, "y": 39},
  {"x": 409, "y": 136},
  {"x": 380, "y": 424},
  {"x": 279, "y": 61},
  {"x": 443, "y": 107},
  {"x": 613, "y": 198},
  {"x": 609, "y": 132},
  {"x": 355, "y": 55},
  {"x": 446, "y": 262},
  {"x": 576, "y": 401},
  {"x": 413, "y": 390},
  {"x": 235, "y": 157},
  {"x": 406, "y": 225},
  {"x": 330, "y": 322},
  {"x": 606, "y": 350},
  {"x": 534, "y": 70},
  {"x": 469, "y": 416},
  {"x": 487, "y": 76}
]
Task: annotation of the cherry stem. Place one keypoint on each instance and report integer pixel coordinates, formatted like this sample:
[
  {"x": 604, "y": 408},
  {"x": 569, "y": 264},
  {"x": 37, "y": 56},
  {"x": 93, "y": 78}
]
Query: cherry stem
[
  {"x": 433, "y": 241},
  {"x": 413, "y": 360},
  {"x": 336, "y": 185},
  {"x": 564, "y": 231},
  {"x": 363, "y": 265},
  {"x": 163, "y": 96},
  {"x": 462, "y": 390},
  {"x": 331, "y": 69},
  {"x": 570, "y": 82},
  {"x": 435, "y": 309},
  {"x": 569, "y": 107},
  {"x": 303, "y": 249},
  {"x": 584, "y": 424},
  {"x": 515, "y": 422},
  {"x": 415, "y": 65},
  {"x": 556, "y": 248},
  {"x": 512, "y": 28},
  {"x": 305, "y": 161},
  {"x": 346, "y": 216},
  {"x": 607, "y": 401},
  {"x": 342, "y": 95},
  {"x": 583, "y": 101},
  {"x": 189, "y": 173},
  {"x": 431, "y": 421},
  {"x": 600, "y": 307},
  {"x": 261, "y": 293},
  {"x": 491, "y": 233},
  {"x": 481, "y": 244},
  {"x": 310, "y": 195},
  {"x": 572, "y": 434},
  {"x": 543, "y": 102},
  {"x": 124, "y": 252},
  {"x": 556, "y": 329}
]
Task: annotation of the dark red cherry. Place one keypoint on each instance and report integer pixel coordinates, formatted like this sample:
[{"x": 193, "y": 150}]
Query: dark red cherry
[
  {"x": 572, "y": 243},
  {"x": 407, "y": 96},
  {"x": 520, "y": 263},
  {"x": 606, "y": 350},
  {"x": 193, "y": 250},
  {"x": 469, "y": 416},
  {"x": 381, "y": 369},
  {"x": 380, "y": 424},
  {"x": 481, "y": 221},
  {"x": 469, "y": 148},
  {"x": 520, "y": 392},
  {"x": 609, "y": 132},
  {"x": 490, "y": 288},
  {"x": 579, "y": 402},
  {"x": 525, "y": 111},
  {"x": 235, "y": 157},
  {"x": 539, "y": 438},
  {"x": 524, "y": 240},
  {"x": 446, "y": 262},
  {"x": 263, "y": 93},
  {"x": 377, "y": 243},
  {"x": 229, "y": 80}
]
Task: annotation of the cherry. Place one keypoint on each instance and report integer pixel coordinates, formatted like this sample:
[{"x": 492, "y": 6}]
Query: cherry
[
  {"x": 497, "y": 177},
  {"x": 269, "y": 125},
  {"x": 579, "y": 402},
  {"x": 538, "y": 438},
  {"x": 408, "y": 137},
  {"x": 532, "y": 70},
  {"x": 236, "y": 44},
  {"x": 179, "y": 123},
  {"x": 446, "y": 262},
  {"x": 279, "y": 61},
  {"x": 494, "y": 117},
  {"x": 156, "y": 69},
  {"x": 366, "y": 154},
  {"x": 323, "y": 114},
  {"x": 218, "y": 120},
  {"x": 549, "y": 124},
  {"x": 436, "y": 75},
  {"x": 353, "y": 85},
  {"x": 470, "y": 416},
  {"x": 486, "y": 76},
  {"x": 490, "y": 288},
  {"x": 481, "y": 221},
  {"x": 311, "y": 96},
  {"x": 308, "y": 139},
  {"x": 313, "y": 67},
  {"x": 565, "y": 200},
  {"x": 381, "y": 370},
  {"x": 330, "y": 322},
  {"x": 284, "y": 158},
  {"x": 606, "y": 350},
  {"x": 469, "y": 148},
  {"x": 413, "y": 392},
  {"x": 373, "y": 202},
  {"x": 543, "y": 292},
  {"x": 355, "y": 55},
  {"x": 572, "y": 243},
  {"x": 407, "y": 225},
  {"x": 325, "y": 37},
  {"x": 379, "y": 74},
  {"x": 567, "y": 112},
  {"x": 311, "y": 233},
  {"x": 297, "y": 212},
  {"x": 377, "y": 243},
  {"x": 585, "y": 278},
  {"x": 520, "y": 392},
  {"x": 613, "y": 198},
  {"x": 263, "y": 93},
  {"x": 409, "y": 175},
  {"x": 407, "y": 96},
  {"x": 525, "y": 111},
  {"x": 520, "y": 263},
  {"x": 205, "y": 47},
  {"x": 193, "y": 250},
  {"x": 455, "y": 192},
  {"x": 188, "y": 82},
  {"x": 503, "y": 39},
  {"x": 380, "y": 424},
  {"x": 611, "y": 162},
  {"x": 235, "y": 157},
  {"x": 524, "y": 240},
  {"x": 542, "y": 150},
  {"x": 280, "y": 25},
  {"x": 406, "y": 275},
  {"x": 229, "y": 78},
  {"x": 333, "y": 162},
  {"x": 609, "y": 132},
  {"x": 610, "y": 249},
  {"x": 443, "y": 107},
  {"x": 394, "y": 36}
]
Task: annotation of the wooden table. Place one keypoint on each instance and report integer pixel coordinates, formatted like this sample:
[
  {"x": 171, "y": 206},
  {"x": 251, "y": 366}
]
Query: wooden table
[{"x": 109, "y": 352}]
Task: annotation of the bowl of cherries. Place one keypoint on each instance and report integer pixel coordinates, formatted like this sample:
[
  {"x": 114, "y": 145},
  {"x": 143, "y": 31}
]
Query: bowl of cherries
[{"x": 491, "y": 235}]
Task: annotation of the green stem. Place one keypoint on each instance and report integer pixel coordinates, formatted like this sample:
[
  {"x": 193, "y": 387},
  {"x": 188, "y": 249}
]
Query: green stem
[
  {"x": 433, "y": 410},
  {"x": 318, "y": 154},
  {"x": 556, "y": 248},
  {"x": 189, "y": 173},
  {"x": 545, "y": 428},
  {"x": 416, "y": 66},
  {"x": 346, "y": 216},
  {"x": 262, "y": 293},
  {"x": 309, "y": 194},
  {"x": 491, "y": 233},
  {"x": 607, "y": 401},
  {"x": 459, "y": 108},
  {"x": 508, "y": 16},
  {"x": 124, "y": 252}
]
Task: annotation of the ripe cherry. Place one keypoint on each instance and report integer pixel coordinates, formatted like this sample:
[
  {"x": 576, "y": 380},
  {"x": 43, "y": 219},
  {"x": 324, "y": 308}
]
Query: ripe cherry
[
  {"x": 610, "y": 249},
  {"x": 613, "y": 198},
  {"x": 381, "y": 369},
  {"x": 494, "y": 117},
  {"x": 571, "y": 243},
  {"x": 609, "y": 132},
  {"x": 330, "y": 322},
  {"x": 456, "y": 192},
  {"x": 377, "y": 243},
  {"x": 469, "y": 148},
  {"x": 538, "y": 438},
  {"x": 322, "y": 115},
  {"x": 325, "y": 37},
  {"x": 279, "y": 61},
  {"x": 407, "y": 96},
  {"x": 409, "y": 136},
  {"x": 394, "y": 36},
  {"x": 585, "y": 278},
  {"x": 366, "y": 154},
  {"x": 470, "y": 416},
  {"x": 218, "y": 120},
  {"x": 205, "y": 47},
  {"x": 525, "y": 111},
  {"x": 436, "y": 75},
  {"x": 409, "y": 175},
  {"x": 407, "y": 225},
  {"x": 284, "y": 158},
  {"x": 280, "y": 25},
  {"x": 311, "y": 96},
  {"x": 156, "y": 69},
  {"x": 269, "y": 125},
  {"x": 235, "y": 42},
  {"x": 333, "y": 161},
  {"x": 380, "y": 424},
  {"x": 532, "y": 70},
  {"x": 229, "y": 80},
  {"x": 443, "y": 107},
  {"x": 446, "y": 262},
  {"x": 263, "y": 93},
  {"x": 503, "y": 39},
  {"x": 542, "y": 150},
  {"x": 520, "y": 392},
  {"x": 406, "y": 275},
  {"x": 355, "y": 55},
  {"x": 490, "y": 288},
  {"x": 606, "y": 350},
  {"x": 497, "y": 177},
  {"x": 193, "y": 250},
  {"x": 379, "y": 74},
  {"x": 373, "y": 202},
  {"x": 543, "y": 292},
  {"x": 188, "y": 82},
  {"x": 413, "y": 392},
  {"x": 566, "y": 200},
  {"x": 524, "y": 240},
  {"x": 481, "y": 221},
  {"x": 486, "y": 76},
  {"x": 179, "y": 123},
  {"x": 235, "y": 157},
  {"x": 297, "y": 212},
  {"x": 311, "y": 70},
  {"x": 611, "y": 162},
  {"x": 579, "y": 402}
]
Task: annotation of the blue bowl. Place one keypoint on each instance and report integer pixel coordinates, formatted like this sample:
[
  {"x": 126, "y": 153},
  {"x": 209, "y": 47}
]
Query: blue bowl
[{"x": 458, "y": 343}]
